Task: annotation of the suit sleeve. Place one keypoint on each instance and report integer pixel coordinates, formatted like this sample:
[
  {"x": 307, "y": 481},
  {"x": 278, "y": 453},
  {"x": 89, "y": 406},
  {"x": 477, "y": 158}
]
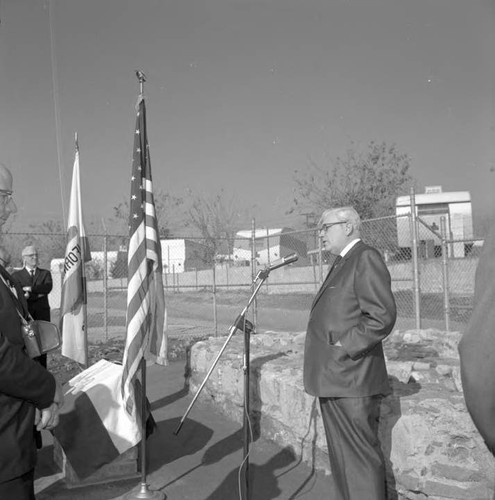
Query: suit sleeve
[
  {"x": 477, "y": 348},
  {"x": 45, "y": 286},
  {"x": 23, "y": 378},
  {"x": 372, "y": 285},
  {"x": 16, "y": 278}
]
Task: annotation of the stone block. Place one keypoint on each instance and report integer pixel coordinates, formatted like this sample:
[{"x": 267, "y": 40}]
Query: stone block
[
  {"x": 456, "y": 490},
  {"x": 401, "y": 370}
]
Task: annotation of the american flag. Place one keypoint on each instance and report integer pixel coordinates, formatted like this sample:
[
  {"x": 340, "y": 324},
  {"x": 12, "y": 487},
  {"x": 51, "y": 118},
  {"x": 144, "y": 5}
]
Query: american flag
[{"x": 145, "y": 323}]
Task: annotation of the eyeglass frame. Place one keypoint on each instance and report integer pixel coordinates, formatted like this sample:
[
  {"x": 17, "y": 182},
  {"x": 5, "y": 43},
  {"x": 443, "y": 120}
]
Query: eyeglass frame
[
  {"x": 326, "y": 227},
  {"x": 7, "y": 194}
]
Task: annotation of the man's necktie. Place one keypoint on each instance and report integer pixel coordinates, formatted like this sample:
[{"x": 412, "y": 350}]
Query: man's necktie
[
  {"x": 32, "y": 275},
  {"x": 335, "y": 264}
]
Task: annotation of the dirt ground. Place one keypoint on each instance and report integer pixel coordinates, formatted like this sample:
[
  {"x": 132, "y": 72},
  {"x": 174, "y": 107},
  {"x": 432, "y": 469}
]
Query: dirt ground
[{"x": 195, "y": 315}]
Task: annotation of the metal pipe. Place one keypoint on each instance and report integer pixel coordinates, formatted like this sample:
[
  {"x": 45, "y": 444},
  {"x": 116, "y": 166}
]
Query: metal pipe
[
  {"x": 445, "y": 269},
  {"x": 414, "y": 253}
]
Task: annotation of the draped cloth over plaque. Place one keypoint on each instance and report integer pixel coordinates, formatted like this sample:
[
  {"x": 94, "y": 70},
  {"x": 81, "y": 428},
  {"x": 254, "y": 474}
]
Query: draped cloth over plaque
[{"x": 94, "y": 427}]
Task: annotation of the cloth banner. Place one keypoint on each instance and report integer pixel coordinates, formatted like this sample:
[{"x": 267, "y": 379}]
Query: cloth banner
[{"x": 94, "y": 427}]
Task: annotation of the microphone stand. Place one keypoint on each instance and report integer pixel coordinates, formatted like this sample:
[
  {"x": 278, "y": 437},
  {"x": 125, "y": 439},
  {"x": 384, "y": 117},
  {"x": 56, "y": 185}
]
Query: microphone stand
[{"x": 240, "y": 323}]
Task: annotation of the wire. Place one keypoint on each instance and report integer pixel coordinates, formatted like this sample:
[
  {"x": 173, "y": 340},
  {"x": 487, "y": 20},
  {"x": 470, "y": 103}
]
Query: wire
[
  {"x": 246, "y": 458},
  {"x": 56, "y": 109}
]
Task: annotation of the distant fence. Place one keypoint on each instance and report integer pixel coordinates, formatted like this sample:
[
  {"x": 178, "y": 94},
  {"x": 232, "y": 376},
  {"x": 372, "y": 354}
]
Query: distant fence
[{"x": 432, "y": 278}]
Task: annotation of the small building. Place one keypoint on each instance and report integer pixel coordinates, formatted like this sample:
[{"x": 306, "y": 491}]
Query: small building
[
  {"x": 431, "y": 206},
  {"x": 271, "y": 245},
  {"x": 179, "y": 255}
]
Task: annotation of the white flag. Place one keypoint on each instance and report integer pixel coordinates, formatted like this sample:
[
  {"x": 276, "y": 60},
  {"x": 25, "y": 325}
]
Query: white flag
[{"x": 73, "y": 307}]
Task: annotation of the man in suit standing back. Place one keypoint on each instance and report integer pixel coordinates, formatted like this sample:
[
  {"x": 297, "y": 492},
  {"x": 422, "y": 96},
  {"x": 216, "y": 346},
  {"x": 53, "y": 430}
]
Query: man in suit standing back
[
  {"x": 344, "y": 364},
  {"x": 37, "y": 284}
]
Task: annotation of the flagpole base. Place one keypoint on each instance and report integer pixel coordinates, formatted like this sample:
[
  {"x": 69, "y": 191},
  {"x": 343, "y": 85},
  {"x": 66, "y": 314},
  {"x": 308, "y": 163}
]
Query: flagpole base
[{"x": 145, "y": 492}]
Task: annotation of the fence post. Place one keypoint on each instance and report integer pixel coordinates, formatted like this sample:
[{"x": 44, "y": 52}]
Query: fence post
[
  {"x": 414, "y": 253},
  {"x": 445, "y": 269},
  {"x": 105, "y": 286},
  {"x": 253, "y": 269},
  {"x": 268, "y": 253},
  {"x": 320, "y": 260},
  {"x": 214, "y": 288}
]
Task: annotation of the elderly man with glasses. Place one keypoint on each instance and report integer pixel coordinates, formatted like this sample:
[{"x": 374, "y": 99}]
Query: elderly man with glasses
[
  {"x": 344, "y": 364},
  {"x": 29, "y": 394},
  {"x": 37, "y": 283}
]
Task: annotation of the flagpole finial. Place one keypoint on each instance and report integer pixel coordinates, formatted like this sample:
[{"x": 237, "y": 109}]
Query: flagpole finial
[{"x": 141, "y": 78}]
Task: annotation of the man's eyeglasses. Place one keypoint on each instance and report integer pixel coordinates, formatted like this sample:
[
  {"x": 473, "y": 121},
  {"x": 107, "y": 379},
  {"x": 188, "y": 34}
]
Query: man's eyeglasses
[
  {"x": 326, "y": 227},
  {"x": 6, "y": 196}
]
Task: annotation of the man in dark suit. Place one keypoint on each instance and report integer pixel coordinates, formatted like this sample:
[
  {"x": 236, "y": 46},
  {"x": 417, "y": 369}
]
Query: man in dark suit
[
  {"x": 344, "y": 365},
  {"x": 477, "y": 348},
  {"x": 29, "y": 394},
  {"x": 37, "y": 284}
]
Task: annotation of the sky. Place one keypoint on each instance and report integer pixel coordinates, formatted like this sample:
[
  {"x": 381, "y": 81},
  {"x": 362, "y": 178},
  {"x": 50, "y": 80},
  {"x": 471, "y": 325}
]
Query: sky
[{"x": 240, "y": 94}]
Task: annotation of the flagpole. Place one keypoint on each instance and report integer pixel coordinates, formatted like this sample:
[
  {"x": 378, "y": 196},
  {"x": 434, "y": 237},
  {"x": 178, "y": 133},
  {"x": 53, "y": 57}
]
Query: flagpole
[
  {"x": 84, "y": 284},
  {"x": 144, "y": 491}
]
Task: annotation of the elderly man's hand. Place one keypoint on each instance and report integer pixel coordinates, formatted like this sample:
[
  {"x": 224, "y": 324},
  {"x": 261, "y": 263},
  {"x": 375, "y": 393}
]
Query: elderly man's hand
[
  {"x": 59, "y": 395},
  {"x": 49, "y": 418}
]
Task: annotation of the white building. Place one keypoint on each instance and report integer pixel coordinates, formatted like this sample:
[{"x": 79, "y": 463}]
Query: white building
[
  {"x": 431, "y": 206},
  {"x": 271, "y": 245},
  {"x": 181, "y": 255}
]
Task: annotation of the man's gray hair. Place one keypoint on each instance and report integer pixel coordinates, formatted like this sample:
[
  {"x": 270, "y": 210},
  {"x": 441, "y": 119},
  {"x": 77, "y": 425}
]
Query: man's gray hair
[{"x": 347, "y": 214}]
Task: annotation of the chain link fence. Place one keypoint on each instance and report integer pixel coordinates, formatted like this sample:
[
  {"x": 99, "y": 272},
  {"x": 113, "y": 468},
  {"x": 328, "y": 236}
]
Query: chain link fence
[{"x": 432, "y": 277}]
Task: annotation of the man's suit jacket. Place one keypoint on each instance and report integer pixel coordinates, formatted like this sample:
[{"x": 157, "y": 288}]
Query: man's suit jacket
[
  {"x": 477, "y": 347},
  {"x": 24, "y": 385},
  {"x": 354, "y": 305},
  {"x": 42, "y": 284}
]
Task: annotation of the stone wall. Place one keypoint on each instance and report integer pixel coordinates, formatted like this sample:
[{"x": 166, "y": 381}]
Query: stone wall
[{"x": 431, "y": 446}]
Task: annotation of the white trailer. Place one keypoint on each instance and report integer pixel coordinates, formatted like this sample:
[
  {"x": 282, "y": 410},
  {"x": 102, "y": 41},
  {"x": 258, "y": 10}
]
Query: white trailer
[{"x": 431, "y": 205}]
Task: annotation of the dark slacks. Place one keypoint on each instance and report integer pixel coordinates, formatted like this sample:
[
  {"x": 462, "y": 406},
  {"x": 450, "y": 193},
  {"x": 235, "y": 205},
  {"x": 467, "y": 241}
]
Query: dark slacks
[
  {"x": 356, "y": 458},
  {"x": 19, "y": 488}
]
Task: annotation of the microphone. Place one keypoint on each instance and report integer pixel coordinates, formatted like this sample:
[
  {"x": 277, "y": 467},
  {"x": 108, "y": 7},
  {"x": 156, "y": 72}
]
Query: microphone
[{"x": 283, "y": 262}]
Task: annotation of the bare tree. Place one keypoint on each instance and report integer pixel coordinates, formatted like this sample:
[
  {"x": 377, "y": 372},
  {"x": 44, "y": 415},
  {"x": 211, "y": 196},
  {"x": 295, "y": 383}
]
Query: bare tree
[
  {"x": 217, "y": 219},
  {"x": 368, "y": 180},
  {"x": 167, "y": 213}
]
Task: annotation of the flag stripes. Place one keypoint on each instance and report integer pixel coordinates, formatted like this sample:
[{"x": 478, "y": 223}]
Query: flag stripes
[{"x": 145, "y": 298}]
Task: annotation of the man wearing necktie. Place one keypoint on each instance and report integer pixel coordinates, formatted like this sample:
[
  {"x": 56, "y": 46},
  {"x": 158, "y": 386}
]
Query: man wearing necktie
[
  {"x": 344, "y": 364},
  {"x": 37, "y": 284}
]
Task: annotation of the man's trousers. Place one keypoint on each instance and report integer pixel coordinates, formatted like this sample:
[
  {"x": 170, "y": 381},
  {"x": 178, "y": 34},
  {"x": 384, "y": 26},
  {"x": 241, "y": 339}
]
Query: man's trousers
[{"x": 356, "y": 458}]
